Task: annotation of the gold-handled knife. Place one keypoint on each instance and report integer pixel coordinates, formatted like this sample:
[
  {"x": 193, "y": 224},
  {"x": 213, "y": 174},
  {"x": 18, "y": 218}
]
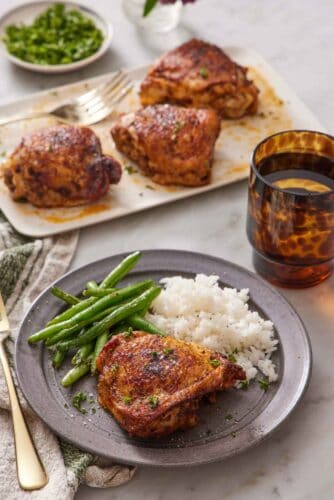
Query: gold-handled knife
[{"x": 30, "y": 470}]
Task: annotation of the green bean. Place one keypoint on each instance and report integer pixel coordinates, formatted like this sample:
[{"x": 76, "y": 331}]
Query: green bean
[
  {"x": 99, "y": 345},
  {"x": 124, "y": 311},
  {"x": 91, "y": 285},
  {"x": 114, "y": 277},
  {"x": 89, "y": 312},
  {"x": 99, "y": 292},
  {"x": 66, "y": 297},
  {"x": 140, "y": 323},
  {"x": 69, "y": 332},
  {"x": 72, "y": 311},
  {"x": 63, "y": 335},
  {"x": 58, "y": 357},
  {"x": 76, "y": 373},
  {"x": 82, "y": 354},
  {"x": 121, "y": 270}
]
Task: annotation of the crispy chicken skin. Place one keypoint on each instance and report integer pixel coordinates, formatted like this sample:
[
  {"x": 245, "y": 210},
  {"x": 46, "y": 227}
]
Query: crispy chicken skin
[
  {"x": 153, "y": 385},
  {"x": 172, "y": 145},
  {"x": 60, "y": 166},
  {"x": 199, "y": 74}
]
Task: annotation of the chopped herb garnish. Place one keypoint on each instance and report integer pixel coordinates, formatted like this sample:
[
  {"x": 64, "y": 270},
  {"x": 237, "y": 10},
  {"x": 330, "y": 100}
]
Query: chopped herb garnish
[
  {"x": 177, "y": 127},
  {"x": 154, "y": 401},
  {"x": 264, "y": 384},
  {"x": 57, "y": 36},
  {"x": 149, "y": 187},
  {"x": 130, "y": 169},
  {"x": 232, "y": 358},
  {"x": 78, "y": 399},
  {"x": 215, "y": 362},
  {"x": 93, "y": 410},
  {"x": 127, "y": 400},
  {"x": 204, "y": 72},
  {"x": 128, "y": 333},
  {"x": 66, "y": 406},
  {"x": 244, "y": 384},
  {"x": 113, "y": 369},
  {"x": 167, "y": 352},
  {"x": 229, "y": 417},
  {"x": 233, "y": 434},
  {"x": 154, "y": 354}
]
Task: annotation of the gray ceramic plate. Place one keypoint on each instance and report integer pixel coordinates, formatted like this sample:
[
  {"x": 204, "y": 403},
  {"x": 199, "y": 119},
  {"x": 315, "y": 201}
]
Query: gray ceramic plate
[{"x": 255, "y": 413}]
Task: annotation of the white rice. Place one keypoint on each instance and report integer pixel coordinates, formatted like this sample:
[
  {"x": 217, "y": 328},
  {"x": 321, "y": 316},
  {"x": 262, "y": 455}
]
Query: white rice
[{"x": 198, "y": 310}]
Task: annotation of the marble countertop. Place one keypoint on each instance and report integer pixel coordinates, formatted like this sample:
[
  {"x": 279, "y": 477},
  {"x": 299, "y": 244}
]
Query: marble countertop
[{"x": 296, "y": 37}]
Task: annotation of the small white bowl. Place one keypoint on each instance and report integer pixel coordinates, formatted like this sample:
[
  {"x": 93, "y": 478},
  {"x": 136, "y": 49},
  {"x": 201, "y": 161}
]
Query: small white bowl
[{"x": 26, "y": 13}]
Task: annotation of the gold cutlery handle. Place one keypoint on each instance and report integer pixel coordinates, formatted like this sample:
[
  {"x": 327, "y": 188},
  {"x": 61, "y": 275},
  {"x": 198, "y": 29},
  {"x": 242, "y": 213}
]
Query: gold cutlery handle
[{"x": 30, "y": 471}]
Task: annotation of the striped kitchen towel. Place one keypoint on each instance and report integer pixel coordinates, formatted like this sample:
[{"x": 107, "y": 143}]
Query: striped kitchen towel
[{"x": 28, "y": 266}]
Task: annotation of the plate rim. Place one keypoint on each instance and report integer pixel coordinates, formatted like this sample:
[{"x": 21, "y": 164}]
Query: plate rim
[
  {"x": 294, "y": 400},
  {"x": 108, "y": 32}
]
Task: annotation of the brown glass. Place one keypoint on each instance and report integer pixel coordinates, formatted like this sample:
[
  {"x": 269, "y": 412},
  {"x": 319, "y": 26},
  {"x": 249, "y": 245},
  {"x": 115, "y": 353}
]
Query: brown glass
[{"x": 292, "y": 234}]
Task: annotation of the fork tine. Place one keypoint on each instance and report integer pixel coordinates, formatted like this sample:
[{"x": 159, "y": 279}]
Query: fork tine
[
  {"x": 113, "y": 88},
  {"x": 87, "y": 96},
  {"x": 105, "y": 109},
  {"x": 111, "y": 100}
]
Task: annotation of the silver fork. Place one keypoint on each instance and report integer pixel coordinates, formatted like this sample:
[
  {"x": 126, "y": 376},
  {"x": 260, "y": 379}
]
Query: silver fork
[
  {"x": 89, "y": 108},
  {"x": 30, "y": 470}
]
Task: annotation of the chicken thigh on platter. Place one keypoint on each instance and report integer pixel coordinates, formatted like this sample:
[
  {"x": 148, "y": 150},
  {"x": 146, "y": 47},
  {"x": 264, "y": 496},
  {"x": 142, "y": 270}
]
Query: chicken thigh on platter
[
  {"x": 60, "y": 166},
  {"x": 152, "y": 385},
  {"x": 198, "y": 74},
  {"x": 171, "y": 145}
]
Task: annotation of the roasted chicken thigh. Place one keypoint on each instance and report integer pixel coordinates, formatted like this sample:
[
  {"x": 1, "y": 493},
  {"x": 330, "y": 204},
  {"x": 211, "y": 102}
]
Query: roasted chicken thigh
[
  {"x": 199, "y": 74},
  {"x": 152, "y": 385},
  {"x": 172, "y": 145},
  {"x": 60, "y": 166}
]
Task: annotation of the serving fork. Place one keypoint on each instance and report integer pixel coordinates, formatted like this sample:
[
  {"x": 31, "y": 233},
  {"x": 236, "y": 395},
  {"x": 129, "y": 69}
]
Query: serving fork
[
  {"x": 88, "y": 108},
  {"x": 30, "y": 470}
]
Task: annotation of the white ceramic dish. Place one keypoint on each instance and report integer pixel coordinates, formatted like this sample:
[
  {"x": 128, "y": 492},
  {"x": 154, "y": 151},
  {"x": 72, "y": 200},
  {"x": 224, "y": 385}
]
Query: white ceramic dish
[
  {"x": 26, "y": 13},
  {"x": 279, "y": 109}
]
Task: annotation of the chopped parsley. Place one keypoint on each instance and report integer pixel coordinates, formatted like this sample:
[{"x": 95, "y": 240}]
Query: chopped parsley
[
  {"x": 130, "y": 169},
  {"x": 154, "y": 401},
  {"x": 214, "y": 362},
  {"x": 204, "y": 72},
  {"x": 154, "y": 354},
  {"x": 59, "y": 35},
  {"x": 128, "y": 333},
  {"x": 113, "y": 369},
  {"x": 233, "y": 434},
  {"x": 127, "y": 400},
  {"x": 232, "y": 358},
  {"x": 244, "y": 384},
  {"x": 264, "y": 384},
  {"x": 78, "y": 399},
  {"x": 229, "y": 417},
  {"x": 167, "y": 352},
  {"x": 150, "y": 187},
  {"x": 177, "y": 127}
]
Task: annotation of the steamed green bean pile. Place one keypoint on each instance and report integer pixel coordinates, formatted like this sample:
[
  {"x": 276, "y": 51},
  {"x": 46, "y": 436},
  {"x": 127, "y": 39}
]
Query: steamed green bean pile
[{"x": 103, "y": 310}]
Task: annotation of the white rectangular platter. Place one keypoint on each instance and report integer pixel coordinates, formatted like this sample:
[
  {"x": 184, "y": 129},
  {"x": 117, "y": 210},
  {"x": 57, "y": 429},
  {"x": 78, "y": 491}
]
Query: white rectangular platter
[{"x": 279, "y": 109}]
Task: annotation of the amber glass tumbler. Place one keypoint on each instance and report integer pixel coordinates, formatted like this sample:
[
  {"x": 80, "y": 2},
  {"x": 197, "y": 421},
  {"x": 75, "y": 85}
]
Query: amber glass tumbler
[{"x": 292, "y": 233}]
